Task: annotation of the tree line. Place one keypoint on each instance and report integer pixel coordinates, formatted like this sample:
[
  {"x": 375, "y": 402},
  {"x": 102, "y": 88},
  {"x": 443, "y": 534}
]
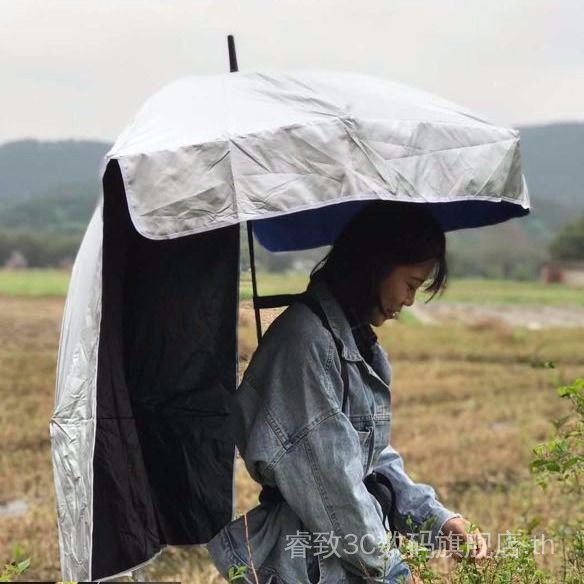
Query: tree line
[{"x": 486, "y": 257}]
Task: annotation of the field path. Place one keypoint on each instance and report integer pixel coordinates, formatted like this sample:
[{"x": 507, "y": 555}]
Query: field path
[{"x": 531, "y": 316}]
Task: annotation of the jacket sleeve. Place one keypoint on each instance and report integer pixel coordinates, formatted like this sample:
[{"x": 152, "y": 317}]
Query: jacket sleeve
[{"x": 418, "y": 513}]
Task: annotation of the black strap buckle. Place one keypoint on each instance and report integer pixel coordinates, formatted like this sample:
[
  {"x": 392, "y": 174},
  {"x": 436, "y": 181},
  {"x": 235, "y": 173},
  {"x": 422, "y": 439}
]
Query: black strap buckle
[{"x": 382, "y": 489}]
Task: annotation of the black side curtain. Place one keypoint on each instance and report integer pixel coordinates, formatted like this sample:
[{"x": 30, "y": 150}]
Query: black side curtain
[{"x": 167, "y": 369}]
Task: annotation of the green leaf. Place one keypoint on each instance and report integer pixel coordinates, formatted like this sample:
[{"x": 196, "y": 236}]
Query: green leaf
[{"x": 22, "y": 566}]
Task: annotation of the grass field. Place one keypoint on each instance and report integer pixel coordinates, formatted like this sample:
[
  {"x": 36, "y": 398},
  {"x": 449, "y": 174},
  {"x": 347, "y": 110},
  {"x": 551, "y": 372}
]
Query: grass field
[
  {"x": 53, "y": 283},
  {"x": 510, "y": 292},
  {"x": 34, "y": 283},
  {"x": 469, "y": 405}
]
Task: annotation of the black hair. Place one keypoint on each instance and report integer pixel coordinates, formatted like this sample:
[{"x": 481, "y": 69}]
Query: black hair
[{"x": 381, "y": 236}]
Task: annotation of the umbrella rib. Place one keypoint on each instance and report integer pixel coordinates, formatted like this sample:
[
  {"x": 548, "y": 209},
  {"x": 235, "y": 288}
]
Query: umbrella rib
[{"x": 258, "y": 162}]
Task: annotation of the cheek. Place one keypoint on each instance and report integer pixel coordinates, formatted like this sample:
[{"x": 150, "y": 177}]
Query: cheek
[{"x": 387, "y": 295}]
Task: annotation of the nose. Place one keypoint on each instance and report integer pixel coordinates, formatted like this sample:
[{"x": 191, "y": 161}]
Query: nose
[{"x": 410, "y": 299}]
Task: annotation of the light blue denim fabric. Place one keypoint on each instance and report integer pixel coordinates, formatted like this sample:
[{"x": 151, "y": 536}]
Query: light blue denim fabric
[{"x": 291, "y": 433}]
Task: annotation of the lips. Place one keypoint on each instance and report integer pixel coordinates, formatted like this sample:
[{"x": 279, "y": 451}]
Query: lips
[{"x": 389, "y": 313}]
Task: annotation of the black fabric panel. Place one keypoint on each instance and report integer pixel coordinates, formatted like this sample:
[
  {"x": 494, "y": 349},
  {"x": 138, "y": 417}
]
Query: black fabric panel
[
  {"x": 163, "y": 463},
  {"x": 180, "y": 324}
]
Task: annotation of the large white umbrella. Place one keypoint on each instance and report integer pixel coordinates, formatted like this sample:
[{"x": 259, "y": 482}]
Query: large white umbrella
[{"x": 148, "y": 360}]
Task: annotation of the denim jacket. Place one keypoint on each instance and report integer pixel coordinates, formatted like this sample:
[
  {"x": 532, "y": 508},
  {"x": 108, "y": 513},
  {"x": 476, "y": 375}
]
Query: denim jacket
[{"x": 292, "y": 434}]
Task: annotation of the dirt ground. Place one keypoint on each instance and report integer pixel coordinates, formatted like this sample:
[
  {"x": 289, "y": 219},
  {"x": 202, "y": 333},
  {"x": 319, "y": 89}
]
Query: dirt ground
[
  {"x": 532, "y": 317},
  {"x": 529, "y": 316},
  {"x": 456, "y": 385}
]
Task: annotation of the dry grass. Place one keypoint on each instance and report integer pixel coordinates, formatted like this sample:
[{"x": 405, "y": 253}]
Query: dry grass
[
  {"x": 469, "y": 404},
  {"x": 28, "y": 338}
]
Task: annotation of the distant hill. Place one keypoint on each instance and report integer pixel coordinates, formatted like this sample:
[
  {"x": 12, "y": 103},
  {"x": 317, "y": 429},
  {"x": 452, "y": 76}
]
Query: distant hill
[
  {"x": 553, "y": 161},
  {"x": 30, "y": 169},
  {"x": 53, "y": 186},
  {"x": 64, "y": 208}
]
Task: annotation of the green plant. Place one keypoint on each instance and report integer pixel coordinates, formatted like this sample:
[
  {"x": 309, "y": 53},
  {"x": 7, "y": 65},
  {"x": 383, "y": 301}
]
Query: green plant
[
  {"x": 17, "y": 565},
  {"x": 513, "y": 561},
  {"x": 562, "y": 457},
  {"x": 236, "y": 573},
  {"x": 561, "y": 460},
  {"x": 416, "y": 554},
  {"x": 417, "y": 557}
]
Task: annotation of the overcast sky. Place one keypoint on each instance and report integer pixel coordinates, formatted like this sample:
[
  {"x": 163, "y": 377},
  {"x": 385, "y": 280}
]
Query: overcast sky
[{"x": 81, "y": 68}]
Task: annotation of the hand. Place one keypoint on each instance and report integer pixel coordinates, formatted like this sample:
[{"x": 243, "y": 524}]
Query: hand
[{"x": 457, "y": 531}]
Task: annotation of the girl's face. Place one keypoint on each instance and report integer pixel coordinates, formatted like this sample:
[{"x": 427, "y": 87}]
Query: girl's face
[{"x": 398, "y": 289}]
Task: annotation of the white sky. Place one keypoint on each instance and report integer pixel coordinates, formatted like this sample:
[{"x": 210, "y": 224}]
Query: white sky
[{"x": 81, "y": 68}]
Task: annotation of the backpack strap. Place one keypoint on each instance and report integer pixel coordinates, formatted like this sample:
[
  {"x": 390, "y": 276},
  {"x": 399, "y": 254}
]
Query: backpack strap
[{"x": 317, "y": 309}]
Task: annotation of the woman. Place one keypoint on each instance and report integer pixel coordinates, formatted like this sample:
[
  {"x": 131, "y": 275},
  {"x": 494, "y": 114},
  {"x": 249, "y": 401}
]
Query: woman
[{"x": 312, "y": 416}]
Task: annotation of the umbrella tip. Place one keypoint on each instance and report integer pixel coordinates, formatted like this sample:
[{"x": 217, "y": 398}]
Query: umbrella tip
[{"x": 233, "y": 67}]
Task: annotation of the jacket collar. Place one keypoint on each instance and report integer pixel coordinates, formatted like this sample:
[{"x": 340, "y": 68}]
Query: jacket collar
[{"x": 337, "y": 320}]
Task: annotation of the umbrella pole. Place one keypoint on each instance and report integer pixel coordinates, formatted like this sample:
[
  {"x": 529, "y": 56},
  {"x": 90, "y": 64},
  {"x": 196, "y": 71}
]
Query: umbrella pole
[
  {"x": 254, "y": 284},
  {"x": 234, "y": 68}
]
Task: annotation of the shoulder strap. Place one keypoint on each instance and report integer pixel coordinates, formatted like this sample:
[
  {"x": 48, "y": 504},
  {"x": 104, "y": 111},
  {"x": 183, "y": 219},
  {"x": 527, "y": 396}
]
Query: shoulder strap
[{"x": 317, "y": 309}]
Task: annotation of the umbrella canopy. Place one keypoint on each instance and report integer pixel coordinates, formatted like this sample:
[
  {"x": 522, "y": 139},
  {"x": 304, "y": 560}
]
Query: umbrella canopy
[
  {"x": 142, "y": 452},
  {"x": 206, "y": 152}
]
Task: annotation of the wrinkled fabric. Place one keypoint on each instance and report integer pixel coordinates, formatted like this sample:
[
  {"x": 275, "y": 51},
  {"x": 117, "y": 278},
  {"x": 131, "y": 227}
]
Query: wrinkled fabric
[
  {"x": 72, "y": 426},
  {"x": 210, "y": 151},
  {"x": 292, "y": 434}
]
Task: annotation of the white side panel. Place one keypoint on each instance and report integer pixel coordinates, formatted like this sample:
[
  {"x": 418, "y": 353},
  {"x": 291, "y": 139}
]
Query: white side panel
[{"x": 72, "y": 426}]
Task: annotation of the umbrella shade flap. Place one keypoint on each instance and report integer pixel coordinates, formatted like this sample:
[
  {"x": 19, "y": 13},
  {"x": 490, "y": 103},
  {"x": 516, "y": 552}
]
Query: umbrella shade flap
[{"x": 167, "y": 366}]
